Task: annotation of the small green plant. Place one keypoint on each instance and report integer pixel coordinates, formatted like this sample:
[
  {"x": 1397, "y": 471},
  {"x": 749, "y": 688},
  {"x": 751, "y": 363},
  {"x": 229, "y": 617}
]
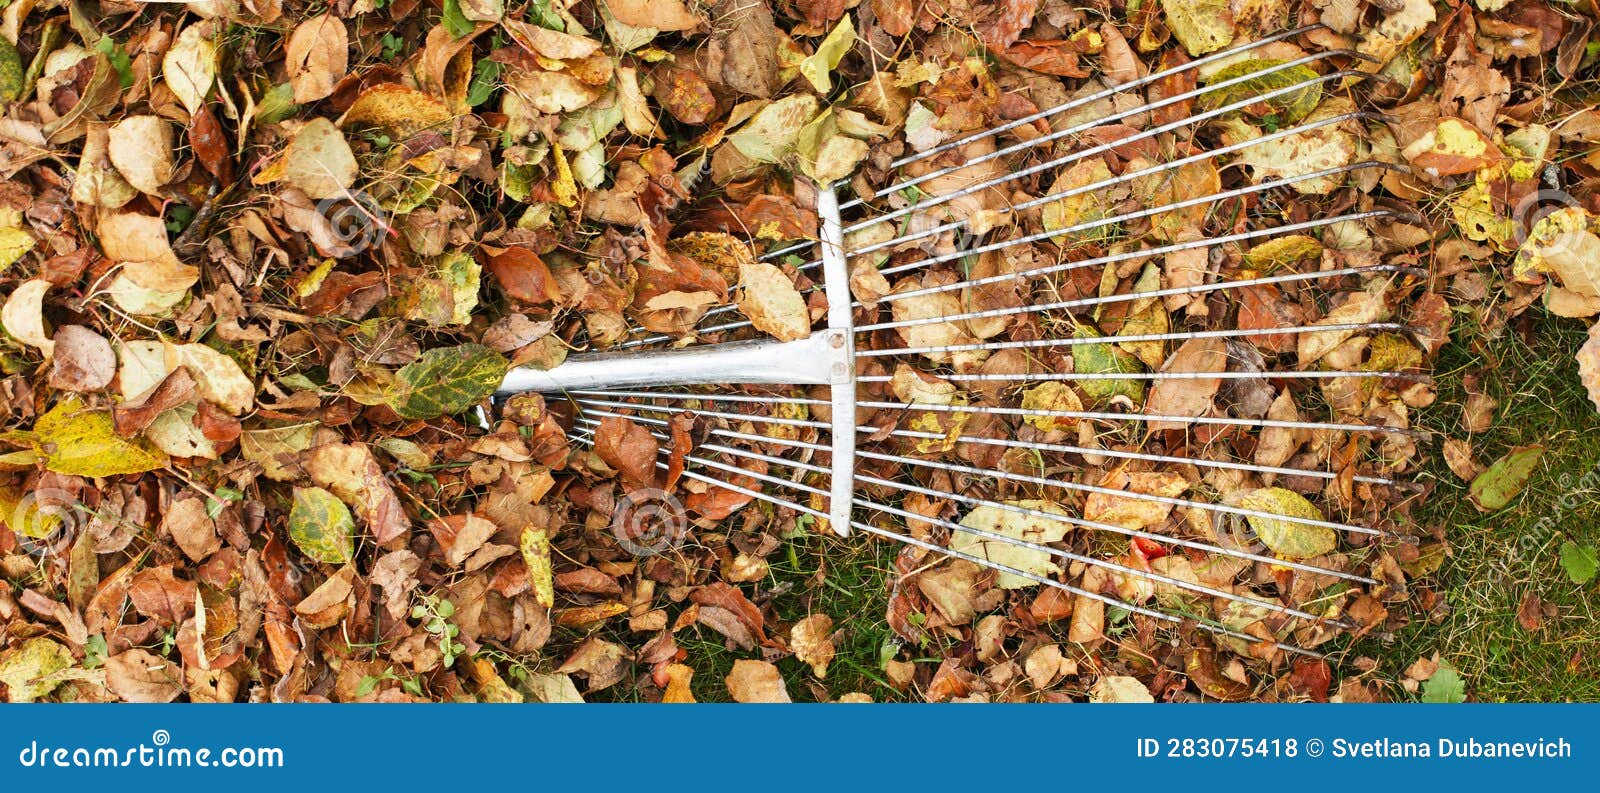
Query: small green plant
[
  {"x": 391, "y": 47},
  {"x": 435, "y": 612},
  {"x": 369, "y": 683}
]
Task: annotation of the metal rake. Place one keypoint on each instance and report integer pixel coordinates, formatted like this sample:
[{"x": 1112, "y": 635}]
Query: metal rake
[{"x": 642, "y": 380}]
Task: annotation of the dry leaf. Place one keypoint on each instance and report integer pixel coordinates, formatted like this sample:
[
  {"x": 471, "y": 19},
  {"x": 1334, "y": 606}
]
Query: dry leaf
[
  {"x": 769, "y": 299},
  {"x": 756, "y": 681},
  {"x": 317, "y": 55},
  {"x": 141, "y": 147}
]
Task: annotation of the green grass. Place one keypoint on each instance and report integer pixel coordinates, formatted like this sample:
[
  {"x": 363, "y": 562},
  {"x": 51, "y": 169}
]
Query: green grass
[
  {"x": 847, "y": 579},
  {"x": 1497, "y": 559}
]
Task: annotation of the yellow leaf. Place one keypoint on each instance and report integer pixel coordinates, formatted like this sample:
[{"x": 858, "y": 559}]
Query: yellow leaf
[
  {"x": 817, "y": 66},
  {"x": 77, "y": 440},
  {"x": 535, "y": 544},
  {"x": 14, "y": 244},
  {"x": 565, "y": 188}
]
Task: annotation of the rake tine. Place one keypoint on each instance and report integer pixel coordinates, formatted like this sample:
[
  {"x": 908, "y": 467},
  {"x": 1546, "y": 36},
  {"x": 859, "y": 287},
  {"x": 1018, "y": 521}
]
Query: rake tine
[
  {"x": 1205, "y": 625},
  {"x": 1103, "y": 563},
  {"x": 1055, "y": 447},
  {"x": 1154, "y": 293},
  {"x": 1122, "y": 455},
  {"x": 1082, "y": 376},
  {"x": 1108, "y": 259},
  {"x": 1076, "y": 521},
  {"x": 1108, "y": 600},
  {"x": 1044, "y": 166},
  {"x": 1119, "y": 179},
  {"x": 1108, "y": 93},
  {"x": 1020, "y": 445},
  {"x": 1129, "y": 494},
  {"x": 704, "y": 397},
  {"x": 1135, "y": 215},
  {"x": 1004, "y": 411},
  {"x": 1104, "y": 340},
  {"x": 1094, "y": 415}
]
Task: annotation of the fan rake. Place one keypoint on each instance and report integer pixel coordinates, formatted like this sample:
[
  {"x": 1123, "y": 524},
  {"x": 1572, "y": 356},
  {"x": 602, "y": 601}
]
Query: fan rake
[{"x": 826, "y": 409}]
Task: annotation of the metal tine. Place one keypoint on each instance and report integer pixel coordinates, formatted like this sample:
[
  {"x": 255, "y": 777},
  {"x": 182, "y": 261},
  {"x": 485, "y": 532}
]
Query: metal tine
[
  {"x": 1056, "y": 447},
  {"x": 982, "y": 562},
  {"x": 1090, "y": 225},
  {"x": 1106, "y": 94},
  {"x": 1086, "y": 341},
  {"x": 1130, "y": 255},
  {"x": 915, "y": 434},
  {"x": 1155, "y": 293},
  {"x": 1094, "y": 415},
  {"x": 1205, "y": 625},
  {"x": 1045, "y": 166},
  {"x": 1004, "y": 411},
  {"x": 1081, "y": 376},
  {"x": 1065, "y": 554},
  {"x": 1076, "y": 521},
  {"x": 1131, "y": 175},
  {"x": 1084, "y": 153},
  {"x": 1100, "y": 185}
]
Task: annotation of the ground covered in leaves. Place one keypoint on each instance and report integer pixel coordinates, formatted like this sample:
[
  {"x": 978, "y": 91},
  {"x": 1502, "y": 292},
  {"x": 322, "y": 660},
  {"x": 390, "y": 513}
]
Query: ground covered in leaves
[{"x": 263, "y": 262}]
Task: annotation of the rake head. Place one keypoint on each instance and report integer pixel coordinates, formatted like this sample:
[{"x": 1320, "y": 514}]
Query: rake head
[{"x": 1082, "y": 349}]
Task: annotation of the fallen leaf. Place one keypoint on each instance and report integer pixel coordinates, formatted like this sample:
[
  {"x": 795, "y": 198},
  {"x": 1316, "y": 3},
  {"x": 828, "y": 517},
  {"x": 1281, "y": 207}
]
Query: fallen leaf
[
  {"x": 1119, "y": 688},
  {"x": 190, "y": 66},
  {"x": 187, "y": 523},
  {"x": 1288, "y": 539},
  {"x": 321, "y": 527},
  {"x": 317, "y": 160},
  {"x": 809, "y": 638},
  {"x": 141, "y": 676},
  {"x": 771, "y": 302},
  {"x": 447, "y": 380},
  {"x": 84, "y": 360},
  {"x": 818, "y": 67},
  {"x": 77, "y": 440},
  {"x": 23, "y": 315},
  {"x": 1504, "y": 478},
  {"x": 353, "y": 474},
  {"x": 1017, "y": 526},
  {"x": 317, "y": 56},
  {"x": 29, "y": 668},
  {"x": 756, "y": 681},
  {"x": 141, "y": 147}
]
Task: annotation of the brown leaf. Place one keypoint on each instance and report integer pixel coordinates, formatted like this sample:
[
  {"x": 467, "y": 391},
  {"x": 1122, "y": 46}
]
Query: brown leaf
[
  {"x": 177, "y": 388},
  {"x": 1530, "y": 613},
  {"x": 1188, "y": 396},
  {"x": 628, "y": 447},
  {"x": 729, "y": 597},
  {"x": 524, "y": 276},
  {"x": 191, "y": 528},
  {"x": 83, "y": 360},
  {"x": 317, "y": 57},
  {"x": 141, "y": 676},
  {"x": 658, "y": 14},
  {"x": 756, "y": 681}
]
